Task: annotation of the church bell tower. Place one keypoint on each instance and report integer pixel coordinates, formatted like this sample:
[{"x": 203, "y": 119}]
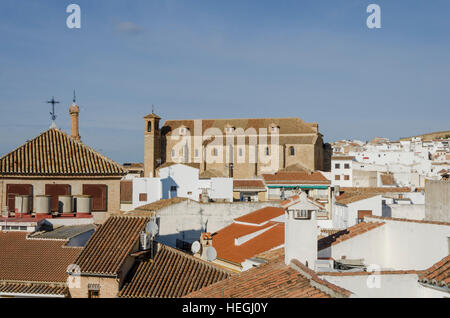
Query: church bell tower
[{"x": 152, "y": 141}]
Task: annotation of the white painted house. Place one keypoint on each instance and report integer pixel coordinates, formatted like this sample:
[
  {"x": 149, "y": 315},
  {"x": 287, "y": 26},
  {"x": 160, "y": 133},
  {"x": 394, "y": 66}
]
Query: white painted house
[{"x": 180, "y": 180}]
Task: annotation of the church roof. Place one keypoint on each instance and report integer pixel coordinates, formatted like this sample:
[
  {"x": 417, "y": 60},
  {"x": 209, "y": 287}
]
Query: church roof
[{"x": 55, "y": 153}]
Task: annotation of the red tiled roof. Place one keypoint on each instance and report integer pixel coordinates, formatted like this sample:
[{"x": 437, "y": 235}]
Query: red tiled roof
[
  {"x": 350, "y": 197},
  {"x": 109, "y": 246},
  {"x": 346, "y": 234},
  {"x": 224, "y": 241},
  {"x": 262, "y": 215},
  {"x": 33, "y": 288},
  {"x": 271, "y": 280},
  {"x": 34, "y": 260},
  {"x": 248, "y": 184},
  {"x": 375, "y": 189},
  {"x": 172, "y": 273},
  {"x": 55, "y": 153},
  {"x": 295, "y": 178},
  {"x": 438, "y": 274}
]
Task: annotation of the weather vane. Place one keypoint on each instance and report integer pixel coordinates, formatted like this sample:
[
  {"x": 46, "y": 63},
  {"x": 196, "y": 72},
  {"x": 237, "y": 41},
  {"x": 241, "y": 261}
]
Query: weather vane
[{"x": 53, "y": 102}]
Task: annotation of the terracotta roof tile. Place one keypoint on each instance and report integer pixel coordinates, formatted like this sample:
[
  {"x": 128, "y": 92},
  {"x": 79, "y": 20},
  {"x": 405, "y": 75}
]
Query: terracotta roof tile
[
  {"x": 172, "y": 273},
  {"x": 248, "y": 184},
  {"x": 54, "y": 153},
  {"x": 407, "y": 220},
  {"x": 350, "y": 197},
  {"x": 262, "y": 215},
  {"x": 295, "y": 178},
  {"x": 271, "y": 280},
  {"x": 438, "y": 274},
  {"x": 33, "y": 288},
  {"x": 375, "y": 189},
  {"x": 224, "y": 241},
  {"x": 157, "y": 205},
  {"x": 108, "y": 247},
  {"x": 34, "y": 260}
]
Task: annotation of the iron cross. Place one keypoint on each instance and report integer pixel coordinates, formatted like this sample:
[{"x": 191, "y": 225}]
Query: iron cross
[{"x": 53, "y": 102}]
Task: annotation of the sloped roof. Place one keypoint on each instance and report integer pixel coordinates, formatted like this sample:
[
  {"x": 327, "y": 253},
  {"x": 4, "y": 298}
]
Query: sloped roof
[
  {"x": 248, "y": 184},
  {"x": 189, "y": 164},
  {"x": 224, "y": 240},
  {"x": 261, "y": 215},
  {"x": 351, "y": 197},
  {"x": 287, "y": 125},
  {"x": 172, "y": 273},
  {"x": 33, "y": 288},
  {"x": 293, "y": 177},
  {"x": 109, "y": 246},
  {"x": 347, "y": 234},
  {"x": 63, "y": 232},
  {"x": 157, "y": 205},
  {"x": 271, "y": 280},
  {"x": 438, "y": 274},
  {"x": 55, "y": 153},
  {"x": 34, "y": 260}
]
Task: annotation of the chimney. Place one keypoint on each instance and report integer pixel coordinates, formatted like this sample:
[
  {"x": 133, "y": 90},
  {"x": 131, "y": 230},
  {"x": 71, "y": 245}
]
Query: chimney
[
  {"x": 300, "y": 240},
  {"x": 205, "y": 242},
  {"x": 74, "y": 112}
]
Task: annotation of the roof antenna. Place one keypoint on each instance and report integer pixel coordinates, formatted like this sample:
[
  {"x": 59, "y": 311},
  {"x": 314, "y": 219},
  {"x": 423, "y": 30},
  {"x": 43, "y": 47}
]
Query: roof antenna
[
  {"x": 74, "y": 97},
  {"x": 153, "y": 109},
  {"x": 52, "y": 113}
]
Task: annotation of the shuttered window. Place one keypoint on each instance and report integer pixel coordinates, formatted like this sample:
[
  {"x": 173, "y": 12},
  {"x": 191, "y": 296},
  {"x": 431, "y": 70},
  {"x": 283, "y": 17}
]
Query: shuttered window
[
  {"x": 98, "y": 192},
  {"x": 55, "y": 190},
  {"x": 16, "y": 189}
]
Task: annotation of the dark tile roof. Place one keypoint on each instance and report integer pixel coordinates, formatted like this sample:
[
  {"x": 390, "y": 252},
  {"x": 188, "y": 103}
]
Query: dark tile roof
[
  {"x": 63, "y": 232},
  {"x": 34, "y": 260},
  {"x": 109, "y": 246},
  {"x": 33, "y": 288},
  {"x": 271, "y": 280},
  {"x": 438, "y": 274},
  {"x": 55, "y": 153},
  {"x": 172, "y": 273}
]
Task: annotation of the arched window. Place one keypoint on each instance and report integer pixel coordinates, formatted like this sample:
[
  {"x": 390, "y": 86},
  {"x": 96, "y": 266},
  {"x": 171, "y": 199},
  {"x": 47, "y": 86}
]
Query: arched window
[
  {"x": 292, "y": 150},
  {"x": 215, "y": 152},
  {"x": 267, "y": 151},
  {"x": 149, "y": 126}
]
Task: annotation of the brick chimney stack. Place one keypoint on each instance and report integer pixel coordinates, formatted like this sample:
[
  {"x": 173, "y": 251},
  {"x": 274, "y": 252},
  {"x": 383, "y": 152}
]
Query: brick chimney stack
[{"x": 74, "y": 112}]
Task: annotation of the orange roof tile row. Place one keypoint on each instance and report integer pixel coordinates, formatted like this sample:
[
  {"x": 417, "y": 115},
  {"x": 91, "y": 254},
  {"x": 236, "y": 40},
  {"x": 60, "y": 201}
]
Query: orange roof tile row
[
  {"x": 34, "y": 260},
  {"x": 408, "y": 220},
  {"x": 248, "y": 184},
  {"x": 346, "y": 234},
  {"x": 172, "y": 273},
  {"x": 438, "y": 274},
  {"x": 33, "y": 288},
  {"x": 393, "y": 272},
  {"x": 350, "y": 197},
  {"x": 56, "y": 153},
  {"x": 375, "y": 189},
  {"x": 271, "y": 280},
  {"x": 224, "y": 241},
  {"x": 262, "y": 215},
  {"x": 108, "y": 247}
]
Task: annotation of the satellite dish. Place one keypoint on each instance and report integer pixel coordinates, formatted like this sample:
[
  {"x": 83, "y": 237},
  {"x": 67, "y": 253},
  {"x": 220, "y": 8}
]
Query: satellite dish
[
  {"x": 211, "y": 254},
  {"x": 151, "y": 228},
  {"x": 195, "y": 247}
]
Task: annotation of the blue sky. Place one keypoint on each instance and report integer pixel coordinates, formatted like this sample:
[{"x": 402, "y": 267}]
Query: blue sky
[{"x": 315, "y": 60}]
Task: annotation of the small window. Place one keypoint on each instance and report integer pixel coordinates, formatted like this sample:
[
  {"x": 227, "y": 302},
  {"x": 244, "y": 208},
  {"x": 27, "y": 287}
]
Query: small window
[
  {"x": 173, "y": 188},
  {"x": 337, "y": 177},
  {"x": 215, "y": 152},
  {"x": 173, "y": 153},
  {"x": 337, "y": 166},
  {"x": 94, "y": 294},
  {"x": 149, "y": 126},
  {"x": 347, "y": 166},
  {"x": 241, "y": 152},
  {"x": 189, "y": 193},
  {"x": 196, "y": 152},
  {"x": 142, "y": 197},
  {"x": 267, "y": 151},
  {"x": 346, "y": 177},
  {"x": 292, "y": 151}
]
